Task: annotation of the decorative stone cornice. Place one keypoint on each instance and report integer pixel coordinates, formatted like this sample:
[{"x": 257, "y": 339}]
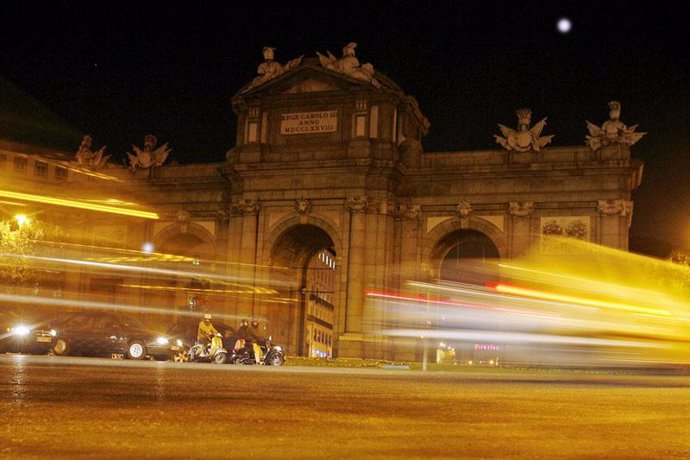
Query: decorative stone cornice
[
  {"x": 521, "y": 209},
  {"x": 303, "y": 206},
  {"x": 245, "y": 206},
  {"x": 615, "y": 207},
  {"x": 357, "y": 203}
]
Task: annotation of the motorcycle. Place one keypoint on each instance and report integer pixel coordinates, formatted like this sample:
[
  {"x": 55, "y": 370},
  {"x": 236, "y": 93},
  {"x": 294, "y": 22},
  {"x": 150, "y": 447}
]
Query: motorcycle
[
  {"x": 212, "y": 352},
  {"x": 271, "y": 354}
]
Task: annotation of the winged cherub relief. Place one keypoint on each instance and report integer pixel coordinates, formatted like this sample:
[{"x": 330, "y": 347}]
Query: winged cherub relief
[
  {"x": 149, "y": 157},
  {"x": 524, "y": 139}
]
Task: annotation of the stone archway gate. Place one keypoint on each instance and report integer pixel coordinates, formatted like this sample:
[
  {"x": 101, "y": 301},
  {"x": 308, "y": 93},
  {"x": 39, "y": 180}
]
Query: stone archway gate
[{"x": 342, "y": 151}]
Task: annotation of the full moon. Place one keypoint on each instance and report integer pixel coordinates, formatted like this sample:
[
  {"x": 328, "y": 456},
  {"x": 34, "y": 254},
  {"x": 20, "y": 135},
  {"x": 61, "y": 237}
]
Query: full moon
[{"x": 564, "y": 25}]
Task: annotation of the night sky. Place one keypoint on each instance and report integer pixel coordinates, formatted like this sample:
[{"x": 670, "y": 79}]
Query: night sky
[{"x": 119, "y": 70}]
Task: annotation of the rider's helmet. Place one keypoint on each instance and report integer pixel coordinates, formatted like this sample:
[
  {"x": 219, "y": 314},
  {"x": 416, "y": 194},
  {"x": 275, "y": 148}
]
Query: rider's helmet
[
  {"x": 244, "y": 323},
  {"x": 207, "y": 318},
  {"x": 255, "y": 324}
]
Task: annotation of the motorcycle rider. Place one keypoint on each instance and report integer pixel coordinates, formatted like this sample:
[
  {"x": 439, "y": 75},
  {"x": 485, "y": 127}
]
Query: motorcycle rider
[
  {"x": 206, "y": 333},
  {"x": 244, "y": 334}
]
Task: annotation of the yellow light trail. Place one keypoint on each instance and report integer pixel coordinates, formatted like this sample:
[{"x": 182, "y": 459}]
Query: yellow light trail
[
  {"x": 77, "y": 204},
  {"x": 247, "y": 290},
  {"x": 70, "y": 304},
  {"x": 157, "y": 271},
  {"x": 87, "y": 172},
  {"x": 503, "y": 288}
]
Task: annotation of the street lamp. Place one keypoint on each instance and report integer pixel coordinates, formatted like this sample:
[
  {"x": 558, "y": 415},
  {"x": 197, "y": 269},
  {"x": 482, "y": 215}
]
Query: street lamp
[{"x": 22, "y": 220}]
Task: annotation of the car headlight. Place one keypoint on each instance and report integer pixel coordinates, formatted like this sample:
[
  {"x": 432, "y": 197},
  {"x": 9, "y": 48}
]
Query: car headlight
[
  {"x": 53, "y": 332},
  {"x": 179, "y": 342},
  {"x": 21, "y": 330},
  {"x": 162, "y": 341}
]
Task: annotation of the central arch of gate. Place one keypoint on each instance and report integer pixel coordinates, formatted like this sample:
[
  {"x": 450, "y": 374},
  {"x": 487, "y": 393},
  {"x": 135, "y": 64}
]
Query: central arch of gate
[{"x": 303, "y": 256}]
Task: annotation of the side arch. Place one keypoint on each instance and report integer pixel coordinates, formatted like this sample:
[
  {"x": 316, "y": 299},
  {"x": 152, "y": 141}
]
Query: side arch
[
  {"x": 192, "y": 229},
  {"x": 434, "y": 238},
  {"x": 185, "y": 292}
]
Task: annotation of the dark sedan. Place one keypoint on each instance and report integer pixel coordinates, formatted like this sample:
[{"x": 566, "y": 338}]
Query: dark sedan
[
  {"x": 20, "y": 333},
  {"x": 113, "y": 335}
]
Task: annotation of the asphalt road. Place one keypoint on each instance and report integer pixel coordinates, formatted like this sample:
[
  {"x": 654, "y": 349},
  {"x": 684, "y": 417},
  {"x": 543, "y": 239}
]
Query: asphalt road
[{"x": 56, "y": 407}]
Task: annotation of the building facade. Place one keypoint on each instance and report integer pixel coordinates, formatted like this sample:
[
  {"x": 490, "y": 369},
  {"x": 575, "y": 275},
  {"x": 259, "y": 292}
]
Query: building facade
[{"x": 328, "y": 196}]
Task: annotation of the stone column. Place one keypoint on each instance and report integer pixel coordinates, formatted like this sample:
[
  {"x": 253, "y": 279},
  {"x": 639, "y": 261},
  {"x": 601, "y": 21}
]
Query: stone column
[
  {"x": 615, "y": 217},
  {"x": 350, "y": 343},
  {"x": 520, "y": 213},
  {"x": 377, "y": 265},
  {"x": 242, "y": 248},
  {"x": 409, "y": 268}
]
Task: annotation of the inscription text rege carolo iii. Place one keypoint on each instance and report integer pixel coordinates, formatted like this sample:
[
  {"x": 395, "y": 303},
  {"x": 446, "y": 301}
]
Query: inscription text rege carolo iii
[{"x": 309, "y": 122}]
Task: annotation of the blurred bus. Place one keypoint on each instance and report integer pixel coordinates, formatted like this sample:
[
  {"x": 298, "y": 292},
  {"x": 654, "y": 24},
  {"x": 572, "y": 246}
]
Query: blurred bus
[{"x": 564, "y": 303}]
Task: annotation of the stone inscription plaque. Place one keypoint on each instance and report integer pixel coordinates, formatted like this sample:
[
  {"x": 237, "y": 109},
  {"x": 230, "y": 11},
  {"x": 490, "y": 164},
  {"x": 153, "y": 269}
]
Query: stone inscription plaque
[{"x": 309, "y": 122}]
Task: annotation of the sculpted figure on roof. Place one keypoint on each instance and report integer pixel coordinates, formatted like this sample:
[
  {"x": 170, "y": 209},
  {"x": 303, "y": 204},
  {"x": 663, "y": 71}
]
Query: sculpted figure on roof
[
  {"x": 349, "y": 65},
  {"x": 149, "y": 157},
  {"x": 612, "y": 131},
  {"x": 524, "y": 139},
  {"x": 270, "y": 68},
  {"x": 87, "y": 158}
]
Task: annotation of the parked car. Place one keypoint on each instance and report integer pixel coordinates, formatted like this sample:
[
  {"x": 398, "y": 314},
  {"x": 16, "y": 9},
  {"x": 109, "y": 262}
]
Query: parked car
[
  {"x": 20, "y": 333},
  {"x": 109, "y": 334}
]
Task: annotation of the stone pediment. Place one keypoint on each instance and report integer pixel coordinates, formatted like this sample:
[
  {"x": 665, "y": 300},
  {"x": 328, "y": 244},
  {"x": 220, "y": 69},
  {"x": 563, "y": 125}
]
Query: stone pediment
[
  {"x": 307, "y": 104},
  {"x": 310, "y": 85},
  {"x": 310, "y": 77}
]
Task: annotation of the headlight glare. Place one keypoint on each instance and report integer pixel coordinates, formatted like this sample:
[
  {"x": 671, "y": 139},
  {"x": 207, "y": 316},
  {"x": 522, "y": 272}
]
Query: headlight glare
[
  {"x": 162, "y": 341},
  {"x": 21, "y": 330},
  {"x": 179, "y": 342}
]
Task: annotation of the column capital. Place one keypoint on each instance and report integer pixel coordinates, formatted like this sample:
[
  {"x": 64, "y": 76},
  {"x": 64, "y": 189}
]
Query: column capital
[
  {"x": 357, "y": 203},
  {"x": 618, "y": 207},
  {"x": 245, "y": 206},
  {"x": 409, "y": 211},
  {"x": 521, "y": 209}
]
